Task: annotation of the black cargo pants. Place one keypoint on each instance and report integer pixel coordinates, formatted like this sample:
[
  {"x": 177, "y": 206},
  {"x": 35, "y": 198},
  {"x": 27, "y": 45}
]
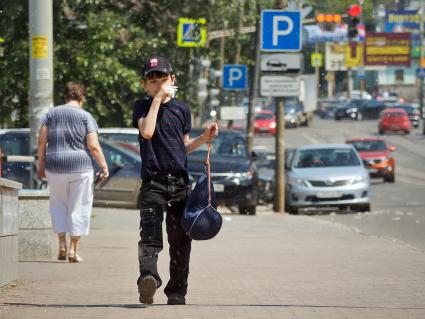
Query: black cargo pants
[{"x": 164, "y": 194}]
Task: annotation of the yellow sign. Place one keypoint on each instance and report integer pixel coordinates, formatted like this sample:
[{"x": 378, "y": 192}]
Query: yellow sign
[
  {"x": 40, "y": 47},
  {"x": 352, "y": 61},
  {"x": 191, "y": 32},
  {"x": 316, "y": 60},
  {"x": 1, "y": 40},
  {"x": 423, "y": 63}
]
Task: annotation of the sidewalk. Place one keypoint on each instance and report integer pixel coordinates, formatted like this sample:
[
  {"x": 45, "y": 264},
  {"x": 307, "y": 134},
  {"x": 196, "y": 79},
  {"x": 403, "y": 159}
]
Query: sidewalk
[{"x": 264, "y": 266}]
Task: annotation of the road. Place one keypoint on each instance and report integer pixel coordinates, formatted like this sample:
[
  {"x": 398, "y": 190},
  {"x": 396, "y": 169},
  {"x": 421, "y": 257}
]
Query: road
[{"x": 397, "y": 209}]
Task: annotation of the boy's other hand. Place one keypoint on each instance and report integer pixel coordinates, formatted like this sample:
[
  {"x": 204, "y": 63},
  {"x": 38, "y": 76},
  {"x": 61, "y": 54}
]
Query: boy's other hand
[{"x": 211, "y": 131}]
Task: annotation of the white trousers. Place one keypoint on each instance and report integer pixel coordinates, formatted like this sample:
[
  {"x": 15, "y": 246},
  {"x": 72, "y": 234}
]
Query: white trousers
[{"x": 70, "y": 203}]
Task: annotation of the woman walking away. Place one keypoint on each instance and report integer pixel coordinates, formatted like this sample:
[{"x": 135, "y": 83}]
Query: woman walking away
[{"x": 67, "y": 138}]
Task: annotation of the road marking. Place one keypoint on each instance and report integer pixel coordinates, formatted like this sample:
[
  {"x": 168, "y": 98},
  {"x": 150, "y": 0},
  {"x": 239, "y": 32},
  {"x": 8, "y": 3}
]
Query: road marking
[{"x": 309, "y": 138}]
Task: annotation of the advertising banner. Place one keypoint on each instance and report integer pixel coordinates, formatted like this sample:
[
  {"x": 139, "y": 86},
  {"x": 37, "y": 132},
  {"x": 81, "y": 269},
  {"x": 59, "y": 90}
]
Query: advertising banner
[
  {"x": 387, "y": 49},
  {"x": 353, "y": 54},
  {"x": 334, "y": 57}
]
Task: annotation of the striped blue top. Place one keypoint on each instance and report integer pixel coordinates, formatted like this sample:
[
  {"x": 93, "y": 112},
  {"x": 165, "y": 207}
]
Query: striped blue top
[{"x": 67, "y": 150}]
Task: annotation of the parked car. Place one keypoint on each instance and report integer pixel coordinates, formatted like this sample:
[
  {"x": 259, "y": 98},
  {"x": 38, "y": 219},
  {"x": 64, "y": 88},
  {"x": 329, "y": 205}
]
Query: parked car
[
  {"x": 122, "y": 136},
  {"x": 326, "y": 176},
  {"x": 376, "y": 156},
  {"x": 233, "y": 171},
  {"x": 265, "y": 163},
  {"x": 360, "y": 109},
  {"x": 394, "y": 120},
  {"x": 121, "y": 189},
  {"x": 265, "y": 122},
  {"x": 16, "y": 143},
  {"x": 412, "y": 112}
]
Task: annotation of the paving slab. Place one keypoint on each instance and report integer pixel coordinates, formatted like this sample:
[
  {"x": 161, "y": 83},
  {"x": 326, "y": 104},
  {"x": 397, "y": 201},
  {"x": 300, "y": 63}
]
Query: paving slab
[{"x": 263, "y": 266}]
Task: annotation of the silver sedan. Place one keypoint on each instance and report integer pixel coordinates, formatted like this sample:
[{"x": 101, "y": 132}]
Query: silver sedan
[{"x": 326, "y": 176}]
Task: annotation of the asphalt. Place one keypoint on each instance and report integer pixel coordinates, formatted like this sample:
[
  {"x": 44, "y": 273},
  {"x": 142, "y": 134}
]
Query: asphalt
[{"x": 264, "y": 266}]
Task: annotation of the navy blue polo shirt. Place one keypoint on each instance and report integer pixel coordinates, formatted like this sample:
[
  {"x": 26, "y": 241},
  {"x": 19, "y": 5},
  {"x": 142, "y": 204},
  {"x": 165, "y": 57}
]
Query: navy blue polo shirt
[{"x": 165, "y": 152}]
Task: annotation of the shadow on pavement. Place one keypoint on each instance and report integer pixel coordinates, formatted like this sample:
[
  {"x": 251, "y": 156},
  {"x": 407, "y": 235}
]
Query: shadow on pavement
[{"x": 133, "y": 306}]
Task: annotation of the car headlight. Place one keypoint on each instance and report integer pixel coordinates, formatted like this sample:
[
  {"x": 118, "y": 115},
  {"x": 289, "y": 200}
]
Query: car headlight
[
  {"x": 273, "y": 125},
  {"x": 237, "y": 178},
  {"x": 359, "y": 179},
  {"x": 298, "y": 182}
]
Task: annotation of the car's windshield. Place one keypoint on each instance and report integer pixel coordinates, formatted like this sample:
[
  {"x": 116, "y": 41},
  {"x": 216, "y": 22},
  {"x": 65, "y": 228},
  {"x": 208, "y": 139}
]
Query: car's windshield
[
  {"x": 264, "y": 116},
  {"x": 369, "y": 146},
  {"x": 326, "y": 157},
  {"x": 225, "y": 145},
  {"x": 407, "y": 108}
]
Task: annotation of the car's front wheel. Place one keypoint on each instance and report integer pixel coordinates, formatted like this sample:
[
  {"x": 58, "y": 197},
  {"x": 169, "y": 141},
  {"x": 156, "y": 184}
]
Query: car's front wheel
[
  {"x": 291, "y": 209},
  {"x": 248, "y": 210}
]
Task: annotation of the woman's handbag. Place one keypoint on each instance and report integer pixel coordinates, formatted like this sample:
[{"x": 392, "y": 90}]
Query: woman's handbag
[{"x": 201, "y": 220}]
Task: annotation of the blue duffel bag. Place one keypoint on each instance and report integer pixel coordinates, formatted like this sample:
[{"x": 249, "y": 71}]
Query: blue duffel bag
[{"x": 201, "y": 220}]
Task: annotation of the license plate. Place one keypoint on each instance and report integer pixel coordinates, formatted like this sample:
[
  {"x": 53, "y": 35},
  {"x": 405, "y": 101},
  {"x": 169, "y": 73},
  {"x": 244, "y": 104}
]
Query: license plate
[
  {"x": 329, "y": 194},
  {"x": 218, "y": 187},
  {"x": 373, "y": 170}
]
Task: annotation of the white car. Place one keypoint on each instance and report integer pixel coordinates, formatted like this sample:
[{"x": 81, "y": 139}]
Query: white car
[{"x": 326, "y": 176}]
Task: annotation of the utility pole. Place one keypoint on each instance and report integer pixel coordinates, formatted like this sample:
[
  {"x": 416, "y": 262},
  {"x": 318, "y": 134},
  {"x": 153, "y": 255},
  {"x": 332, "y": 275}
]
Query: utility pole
[
  {"x": 279, "y": 201},
  {"x": 421, "y": 58},
  {"x": 254, "y": 81},
  {"x": 41, "y": 64}
]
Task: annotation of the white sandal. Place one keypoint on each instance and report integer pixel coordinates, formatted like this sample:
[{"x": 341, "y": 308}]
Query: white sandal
[{"x": 73, "y": 257}]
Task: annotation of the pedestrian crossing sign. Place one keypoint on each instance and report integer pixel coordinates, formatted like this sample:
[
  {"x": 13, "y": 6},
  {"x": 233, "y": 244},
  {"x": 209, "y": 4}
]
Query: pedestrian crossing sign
[{"x": 191, "y": 32}]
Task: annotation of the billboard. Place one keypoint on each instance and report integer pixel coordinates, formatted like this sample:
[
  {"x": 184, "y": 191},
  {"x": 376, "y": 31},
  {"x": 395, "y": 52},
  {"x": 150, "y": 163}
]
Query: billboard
[{"x": 387, "y": 49}]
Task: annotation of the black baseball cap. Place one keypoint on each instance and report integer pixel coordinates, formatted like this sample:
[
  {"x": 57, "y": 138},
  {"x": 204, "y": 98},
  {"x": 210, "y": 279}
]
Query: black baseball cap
[{"x": 157, "y": 64}]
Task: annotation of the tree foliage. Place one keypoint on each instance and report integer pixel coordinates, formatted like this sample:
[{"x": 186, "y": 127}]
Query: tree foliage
[{"x": 103, "y": 43}]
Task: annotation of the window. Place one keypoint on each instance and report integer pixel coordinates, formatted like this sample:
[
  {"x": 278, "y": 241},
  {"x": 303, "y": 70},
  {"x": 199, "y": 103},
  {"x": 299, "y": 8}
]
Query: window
[{"x": 399, "y": 76}]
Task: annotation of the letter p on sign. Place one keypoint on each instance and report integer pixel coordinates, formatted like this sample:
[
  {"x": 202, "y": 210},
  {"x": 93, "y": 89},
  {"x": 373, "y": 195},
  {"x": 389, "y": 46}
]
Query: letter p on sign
[{"x": 281, "y": 31}]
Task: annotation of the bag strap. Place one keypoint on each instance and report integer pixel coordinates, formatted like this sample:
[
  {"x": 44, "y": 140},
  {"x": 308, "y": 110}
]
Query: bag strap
[{"x": 208, "y": 167}]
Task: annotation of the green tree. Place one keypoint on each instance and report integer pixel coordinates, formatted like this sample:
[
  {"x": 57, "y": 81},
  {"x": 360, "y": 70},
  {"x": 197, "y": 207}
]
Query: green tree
[{"x": 103, "y": 43}]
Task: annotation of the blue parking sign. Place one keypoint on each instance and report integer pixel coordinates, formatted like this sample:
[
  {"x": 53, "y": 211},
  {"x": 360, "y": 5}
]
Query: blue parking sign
[
  {"x": 420, "y": 73},
  {"x": 235, "y": 77},
  {"x": 281, "y": 31}
]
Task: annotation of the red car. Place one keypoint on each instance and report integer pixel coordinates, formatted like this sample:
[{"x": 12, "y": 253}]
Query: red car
[
  {"x": 265, "y": 122},
  {"x": 395, "y": 120},
  {"x": 376, "y": 155}
]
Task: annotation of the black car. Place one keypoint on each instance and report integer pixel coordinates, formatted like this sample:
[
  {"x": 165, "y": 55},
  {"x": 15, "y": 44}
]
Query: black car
[
  {"x": 360, "y": 109},
  {"x": 16, "y": 143},
  {"x": 233, "y": 171},
  {"x": 412, "y": 112}
]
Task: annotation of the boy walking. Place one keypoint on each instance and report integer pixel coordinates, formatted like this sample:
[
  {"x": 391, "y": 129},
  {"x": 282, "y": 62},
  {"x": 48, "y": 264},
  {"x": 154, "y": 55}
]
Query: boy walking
[{"x": 164, "y": 124}]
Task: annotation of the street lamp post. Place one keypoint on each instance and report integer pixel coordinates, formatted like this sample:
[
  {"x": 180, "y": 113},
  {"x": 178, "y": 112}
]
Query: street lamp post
[{"x": 41, "y": 64}]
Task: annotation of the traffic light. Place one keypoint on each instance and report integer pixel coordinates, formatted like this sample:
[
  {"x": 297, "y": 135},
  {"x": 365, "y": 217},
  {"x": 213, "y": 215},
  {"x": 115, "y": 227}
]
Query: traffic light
[
  {"x": 353, "y": 20},
  {"x": 328, "y": 21},
  {"x": 352, "y": 27}
]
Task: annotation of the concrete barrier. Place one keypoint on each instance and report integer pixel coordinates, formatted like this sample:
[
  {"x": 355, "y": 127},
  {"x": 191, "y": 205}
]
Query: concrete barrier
[
  {"x": 8, "y": 230},
  {"x": 36, "y": 237}
]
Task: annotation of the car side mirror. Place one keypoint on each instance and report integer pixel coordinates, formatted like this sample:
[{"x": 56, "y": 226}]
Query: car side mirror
[
  {"x": 392, "y": 148},
  {"x": 254, "y": 156}
]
